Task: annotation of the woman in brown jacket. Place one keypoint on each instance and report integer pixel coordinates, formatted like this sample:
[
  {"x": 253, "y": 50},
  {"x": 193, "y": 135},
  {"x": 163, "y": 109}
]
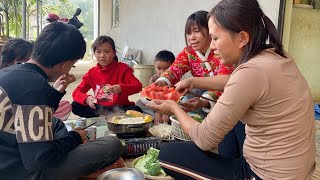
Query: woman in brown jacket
[{"x": 262, "y": 92}]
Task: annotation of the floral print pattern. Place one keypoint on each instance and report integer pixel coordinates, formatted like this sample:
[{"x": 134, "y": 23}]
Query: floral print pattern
[{"x": 188, "y": 60}]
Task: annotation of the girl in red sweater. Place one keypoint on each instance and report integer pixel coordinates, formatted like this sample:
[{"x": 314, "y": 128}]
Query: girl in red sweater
[{"x": 111, "y": 81}]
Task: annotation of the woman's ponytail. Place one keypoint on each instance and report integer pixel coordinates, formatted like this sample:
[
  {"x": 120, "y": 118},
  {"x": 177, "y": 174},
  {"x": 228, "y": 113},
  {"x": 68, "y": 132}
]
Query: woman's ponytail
[{"x": 273, "y": 35}]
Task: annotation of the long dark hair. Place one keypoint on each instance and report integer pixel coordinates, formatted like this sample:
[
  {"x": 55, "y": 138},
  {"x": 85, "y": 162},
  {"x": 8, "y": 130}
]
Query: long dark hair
[
  {"x": 198, "y": 18},
  {"x": 105, "y": 39},
  {"x": 246, "y": 15}
]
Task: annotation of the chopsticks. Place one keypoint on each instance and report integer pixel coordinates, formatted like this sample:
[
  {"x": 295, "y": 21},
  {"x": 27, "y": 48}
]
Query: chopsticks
[
  {"x": 89, "y": 125},
  {"x": 197, "y": 95}
]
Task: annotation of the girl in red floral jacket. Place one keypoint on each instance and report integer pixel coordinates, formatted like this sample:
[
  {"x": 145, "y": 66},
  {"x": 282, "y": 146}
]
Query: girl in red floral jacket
[
  {"x": 201, "y": 61},
  {"x": 197, "y": 58},
  {"x": 111, "y": 81}
]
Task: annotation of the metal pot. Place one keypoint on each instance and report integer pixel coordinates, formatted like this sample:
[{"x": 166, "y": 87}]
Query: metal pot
[
  {"x": 127, "y": 128},
  {"x": 122, "y": 174}
]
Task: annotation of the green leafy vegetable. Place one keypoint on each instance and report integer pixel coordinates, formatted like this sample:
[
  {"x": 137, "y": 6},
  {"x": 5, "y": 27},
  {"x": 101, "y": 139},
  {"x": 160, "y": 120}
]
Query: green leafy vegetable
[
  {"x": 197, "y": 118},
  {"x": 149, "y": 163}
]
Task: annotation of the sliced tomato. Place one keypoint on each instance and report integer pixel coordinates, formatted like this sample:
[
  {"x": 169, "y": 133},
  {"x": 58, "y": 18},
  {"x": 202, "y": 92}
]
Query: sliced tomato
[
  {"x": 152, "y": 95},
  {"x": 157, "y": 92},
  {"x": 165, "y": 88},
  {"x": 144, "y": 93},
  {"x": 166, "y": 96},
  {"x": 159, "y": 95},
  {"x": 159, "y": 88},
  {"x": 171, "y": 89},
  {"x": 148, "y": 92},
  {"x": 175, "y": 96}
]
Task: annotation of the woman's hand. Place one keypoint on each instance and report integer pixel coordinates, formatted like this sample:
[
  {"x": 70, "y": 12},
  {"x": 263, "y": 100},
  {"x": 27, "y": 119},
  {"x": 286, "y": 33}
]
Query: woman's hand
[
  {"x": 83, "y": 133},
  {"x": 154, "y": 78},
  {"x": 115, "y": 89},
  {"x": 90, "y": 101},
  {"x": 160, "y": 83},
  {"x": 164, "y": 106},
  {"x": 160, "y": 118},
  {"x": 63, "y": 81},
  {"x": 194, "y": 104},
  {"x": 184, "y": 86},
  {"x": 157, "y": 117}
]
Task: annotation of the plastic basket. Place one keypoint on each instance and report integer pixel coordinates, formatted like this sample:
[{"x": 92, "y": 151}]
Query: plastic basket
[
  {"x": 139, "y": 146},
  {"x": 177, "y": 130}
]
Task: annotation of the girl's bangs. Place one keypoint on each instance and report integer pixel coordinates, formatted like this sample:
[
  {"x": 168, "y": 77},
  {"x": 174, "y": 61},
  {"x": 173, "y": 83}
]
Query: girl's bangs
[{"x": 189, "y": 24}]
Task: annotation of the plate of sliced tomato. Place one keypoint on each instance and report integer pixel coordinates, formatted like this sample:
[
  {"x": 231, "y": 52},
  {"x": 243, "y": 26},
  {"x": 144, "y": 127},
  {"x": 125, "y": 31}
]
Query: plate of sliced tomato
[{"x": 154, "y": 92}]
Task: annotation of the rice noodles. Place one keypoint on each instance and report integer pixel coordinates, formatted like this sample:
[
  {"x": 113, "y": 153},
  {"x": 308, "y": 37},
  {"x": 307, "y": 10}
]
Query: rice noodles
[
  {"x": 127, "y": 120},
  {"x": 162, "y": 131}
]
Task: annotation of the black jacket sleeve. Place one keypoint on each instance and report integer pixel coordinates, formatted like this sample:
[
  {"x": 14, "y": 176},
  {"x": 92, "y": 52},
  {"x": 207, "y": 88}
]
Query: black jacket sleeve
[{"x": 32, "y": 113}]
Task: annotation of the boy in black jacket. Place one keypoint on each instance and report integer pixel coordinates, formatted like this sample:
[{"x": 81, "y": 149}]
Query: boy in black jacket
[{"x": 29, "y": 148}]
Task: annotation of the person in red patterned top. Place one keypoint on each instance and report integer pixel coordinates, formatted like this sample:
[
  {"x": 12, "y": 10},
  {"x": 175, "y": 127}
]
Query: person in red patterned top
[{"x": 197, "y": 58}]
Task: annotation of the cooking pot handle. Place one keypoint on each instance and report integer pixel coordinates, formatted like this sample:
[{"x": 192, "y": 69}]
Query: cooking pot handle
[{"x": 135, "y": 126}]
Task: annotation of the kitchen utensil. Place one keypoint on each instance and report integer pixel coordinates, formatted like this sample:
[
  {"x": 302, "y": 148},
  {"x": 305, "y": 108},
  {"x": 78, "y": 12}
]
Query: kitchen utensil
[
  {"x": 197, "y": 95},
  {"x": 90, "y": 125},
  {"x": 122, "y": 174},
  {"x": 126, "y": 129}
]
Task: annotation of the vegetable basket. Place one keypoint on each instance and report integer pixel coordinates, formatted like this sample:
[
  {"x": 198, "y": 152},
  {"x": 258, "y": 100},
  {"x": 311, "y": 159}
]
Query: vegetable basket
[{"x": 177, "y": 130}]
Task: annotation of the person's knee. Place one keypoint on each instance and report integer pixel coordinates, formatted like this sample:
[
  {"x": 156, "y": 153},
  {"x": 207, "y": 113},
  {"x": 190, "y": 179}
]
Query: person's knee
[
  {"x": 117, "y": 144},
  {"x": 112, "y": 144},
  {"x": 74, "y": 106},
  {"x": 166, "y": 151}
]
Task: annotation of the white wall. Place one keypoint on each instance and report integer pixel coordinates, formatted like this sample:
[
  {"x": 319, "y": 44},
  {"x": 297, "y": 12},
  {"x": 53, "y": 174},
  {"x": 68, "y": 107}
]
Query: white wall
[{"x": 154, "y": 25}]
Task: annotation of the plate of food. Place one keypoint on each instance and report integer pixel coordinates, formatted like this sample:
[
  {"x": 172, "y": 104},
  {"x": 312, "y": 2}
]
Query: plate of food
[
  {"x": 154, "y": 92},
  {"x": 149, "y": 165}
]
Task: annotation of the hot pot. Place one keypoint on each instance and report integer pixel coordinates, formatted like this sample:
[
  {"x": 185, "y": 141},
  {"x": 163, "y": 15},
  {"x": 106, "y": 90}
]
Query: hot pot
[{"x": 126, "y": 129}]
